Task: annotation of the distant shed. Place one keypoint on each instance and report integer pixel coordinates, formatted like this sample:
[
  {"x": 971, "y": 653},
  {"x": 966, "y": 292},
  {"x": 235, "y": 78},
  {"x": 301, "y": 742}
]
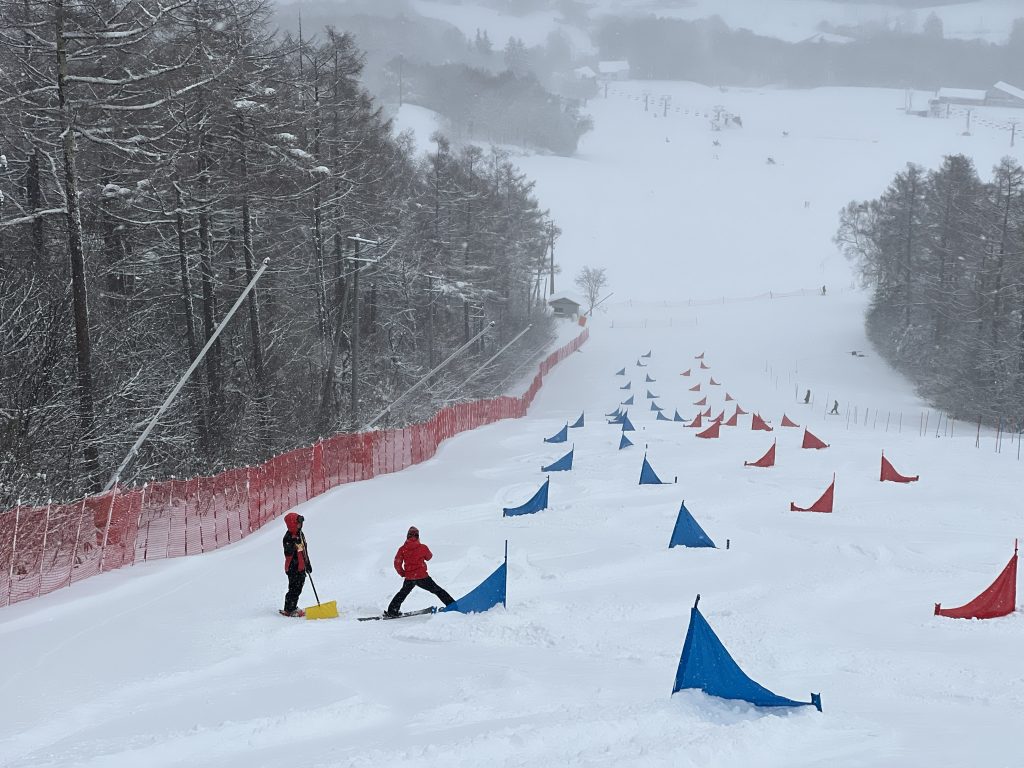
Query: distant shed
[
  {"x": 1003, "y": 94},
  {"x": 971, "y": 97},
  {"x": 613, "y": 70},
  {"x": 563, "y": 306}
]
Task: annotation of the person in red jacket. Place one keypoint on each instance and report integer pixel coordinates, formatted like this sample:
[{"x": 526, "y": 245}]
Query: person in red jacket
[
  {"x": 411, "y": 564},
  {"x": 296, "y": 563}
]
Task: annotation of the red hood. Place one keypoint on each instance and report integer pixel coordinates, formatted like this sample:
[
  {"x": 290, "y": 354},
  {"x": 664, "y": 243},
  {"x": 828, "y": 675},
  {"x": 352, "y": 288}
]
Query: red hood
[{"x": 292, "y": 521}]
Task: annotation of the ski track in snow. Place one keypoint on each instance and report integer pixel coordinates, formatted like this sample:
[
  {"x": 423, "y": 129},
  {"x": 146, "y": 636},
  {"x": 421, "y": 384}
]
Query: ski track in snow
[{"x": 187, "y": 662}]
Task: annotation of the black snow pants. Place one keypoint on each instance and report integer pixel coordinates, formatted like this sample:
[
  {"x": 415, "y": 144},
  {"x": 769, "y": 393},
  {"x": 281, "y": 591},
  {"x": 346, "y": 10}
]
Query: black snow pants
[
  {"x": 428, "y": 584},
  {"x": 296, "y": 581}
]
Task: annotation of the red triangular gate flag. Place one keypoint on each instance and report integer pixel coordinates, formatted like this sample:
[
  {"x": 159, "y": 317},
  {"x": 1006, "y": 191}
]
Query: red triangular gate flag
[
  {"x": 702, "y": 401},
  {"x": 696, "y": 422},
  {"x": 768, "y": 460},
  {"x": 714, "y": 383},
  {"x": 685, "y": 373},
  {"x": 707, "y": 413},
  {"x": 699, "y": 357},
  {"x": 810, "y": 441},
  {"x": 711, "y": 431},
  {"x": 732, "y": 420},
  {"x": 695, "y": 387},
  {"x": 889, "y": 473},
  {"x": 824, "y": 504},
  {"x": 740, "y": 411},
  {"x": 788, "y": 422},
  {"x": 719, "y": 417},
  {"x": 728, "y": 397},
  {"x": 998, "y": 600},
  {"x": 704, "y": 367},
  {"x": 756, "y": 422}
]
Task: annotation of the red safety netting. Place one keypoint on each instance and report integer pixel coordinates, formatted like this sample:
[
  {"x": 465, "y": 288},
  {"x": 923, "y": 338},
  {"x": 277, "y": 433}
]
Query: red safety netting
[{"x": 46, "y": 548}]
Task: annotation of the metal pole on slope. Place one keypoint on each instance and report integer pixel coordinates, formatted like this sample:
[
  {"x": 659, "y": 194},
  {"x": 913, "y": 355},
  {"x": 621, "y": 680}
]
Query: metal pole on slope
[
  {"x": 134, "y": 450},
  {"x": 426, "y": 377}
]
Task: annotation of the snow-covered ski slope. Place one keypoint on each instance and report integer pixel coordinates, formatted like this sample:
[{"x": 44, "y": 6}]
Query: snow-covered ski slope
[{"x": 188, "y": 663}]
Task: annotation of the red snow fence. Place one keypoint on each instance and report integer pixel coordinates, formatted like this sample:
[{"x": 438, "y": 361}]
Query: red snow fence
[
  {"x": 788, "y": 422},
  {"x": 44, "y": 548},
  {"x": 890, "y": 474},
  {"x": 811, "y": 441},
  {"x": 999, "y": 599},
  {"x": 824, "y": 504},
  {"x": 768, "y": 460}
]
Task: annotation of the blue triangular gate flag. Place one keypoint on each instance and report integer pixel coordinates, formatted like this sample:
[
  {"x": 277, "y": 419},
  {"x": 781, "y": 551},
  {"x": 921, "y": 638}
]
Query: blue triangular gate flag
[
  {"x": 618, "y": 419},
  {"x": 627, "y": 425},
  {"x": 564, "y": 464},
  {"x": 649, "y": 379},
  {"x": 688, "y": 532},
  {"x": 491, "y": 591},
  {"x": 677, "y": 417},
  {"x": 651, "y": 395},
  {"x": 661, "y": 416},
  {"x": 647, "y": 474},
  {"x": 624, "y": 442},
  {"x": 537, "y": 502},
  {"x": 577, "y": 423},
  {"x": 648, "y": 353},
  {"x": 560, "y": 436},
  {"x": 628, "y": 400},
  {"x": 621, "y": 373},
  {"x": 640, "y": 365},
  {"x": 656, "y": 407},
  {"x": 706, "y": 664},
  {"x": 614, "y": 414},
  {"x": 629, "y": 384}
]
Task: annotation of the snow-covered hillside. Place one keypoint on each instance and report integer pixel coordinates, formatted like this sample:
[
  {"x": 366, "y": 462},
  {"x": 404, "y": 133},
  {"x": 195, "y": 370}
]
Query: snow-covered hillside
[{"x": 187, "y": 661}]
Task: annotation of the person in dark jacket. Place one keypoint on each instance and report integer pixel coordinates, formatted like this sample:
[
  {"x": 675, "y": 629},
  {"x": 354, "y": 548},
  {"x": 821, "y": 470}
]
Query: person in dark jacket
[
  {"x": 411, "y": 564},
  {"x": 296, "y": 563}
]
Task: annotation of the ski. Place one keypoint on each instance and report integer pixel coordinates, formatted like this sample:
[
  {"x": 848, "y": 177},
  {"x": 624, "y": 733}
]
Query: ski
[
  {"x": 399, "y": 616},
  {"x": 299, "y": 614}
]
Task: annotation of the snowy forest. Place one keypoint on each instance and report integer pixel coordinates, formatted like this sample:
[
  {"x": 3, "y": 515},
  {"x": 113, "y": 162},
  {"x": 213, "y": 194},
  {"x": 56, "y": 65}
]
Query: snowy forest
[
  {"x": 152, "y": 155},
  {"x": 709, "y": 51},
  {"x": 943, "y": 251}
]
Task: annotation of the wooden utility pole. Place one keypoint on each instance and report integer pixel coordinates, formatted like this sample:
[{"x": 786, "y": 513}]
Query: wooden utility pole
[{"x": 551, "y": 244}]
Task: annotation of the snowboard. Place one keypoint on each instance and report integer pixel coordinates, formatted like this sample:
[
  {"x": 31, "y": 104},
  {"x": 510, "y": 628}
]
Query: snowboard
[
  {"x": 403, "y": 615},
  {"x": 301, "y": 614}
]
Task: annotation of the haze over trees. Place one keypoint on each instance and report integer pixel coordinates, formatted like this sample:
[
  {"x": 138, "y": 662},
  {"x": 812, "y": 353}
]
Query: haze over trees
[
  {"x": 151, "y": 157},
  {"x": 943, "y": 252}
]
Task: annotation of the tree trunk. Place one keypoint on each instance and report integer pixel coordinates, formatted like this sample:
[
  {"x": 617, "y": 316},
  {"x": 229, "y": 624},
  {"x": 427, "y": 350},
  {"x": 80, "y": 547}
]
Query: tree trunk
[{"x": 76, "y": 254}]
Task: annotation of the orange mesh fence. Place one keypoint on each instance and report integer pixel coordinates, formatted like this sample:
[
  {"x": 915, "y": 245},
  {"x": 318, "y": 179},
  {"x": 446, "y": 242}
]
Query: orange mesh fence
[{"x": 45, "y": 548}]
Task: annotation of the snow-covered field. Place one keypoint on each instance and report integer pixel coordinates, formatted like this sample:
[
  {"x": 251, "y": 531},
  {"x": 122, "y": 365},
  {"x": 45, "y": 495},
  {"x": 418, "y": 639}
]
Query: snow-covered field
[{"x": 187, "y": 662}]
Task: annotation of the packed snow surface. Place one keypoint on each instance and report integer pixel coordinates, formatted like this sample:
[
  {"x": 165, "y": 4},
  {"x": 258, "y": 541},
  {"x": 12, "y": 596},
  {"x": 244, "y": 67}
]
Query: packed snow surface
[{"x": 187, "y": 661}]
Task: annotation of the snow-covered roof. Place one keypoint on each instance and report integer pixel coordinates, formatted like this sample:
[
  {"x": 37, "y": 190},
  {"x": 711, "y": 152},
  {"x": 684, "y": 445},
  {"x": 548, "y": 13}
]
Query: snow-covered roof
[
  {"x": 565, "y": 297},
  {"x": 612, "y": 67},
  {"x": 1010, "y": 89},
  {"x": 584, "y": 72},
  {"x": 967, "y": 94},
  {"x": 828, "y": 37}
]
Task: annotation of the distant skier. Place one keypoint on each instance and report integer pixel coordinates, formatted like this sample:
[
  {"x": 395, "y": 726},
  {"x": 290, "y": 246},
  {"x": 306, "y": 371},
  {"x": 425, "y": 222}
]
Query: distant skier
[
  {"x": 807, "y": 397},
  {"x": 296, "y": 563},
  {"x": 823, "y": 290},
  {"x": 835, "y": 408},
  {"x": 411, "y": 565}
]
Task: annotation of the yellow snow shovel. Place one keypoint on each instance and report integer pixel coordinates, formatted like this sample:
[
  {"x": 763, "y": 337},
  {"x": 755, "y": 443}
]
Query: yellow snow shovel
[{"x": 321, "y": 610}]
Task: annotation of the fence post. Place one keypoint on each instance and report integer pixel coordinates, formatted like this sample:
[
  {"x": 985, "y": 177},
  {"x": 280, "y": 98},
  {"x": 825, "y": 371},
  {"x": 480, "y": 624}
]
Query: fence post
[
  {"x": 78, "y": 540},
  {"x": 42, "y": 552},
  {"x": 14, "y": 552}
]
